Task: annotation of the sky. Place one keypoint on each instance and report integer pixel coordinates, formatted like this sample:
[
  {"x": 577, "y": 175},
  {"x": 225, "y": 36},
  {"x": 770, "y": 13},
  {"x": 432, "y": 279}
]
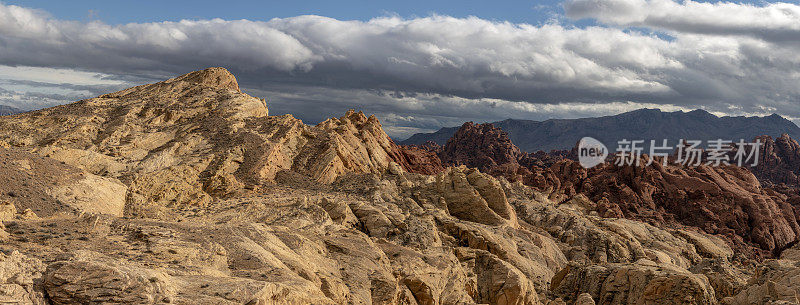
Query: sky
[{"x": 418, "y": 65}]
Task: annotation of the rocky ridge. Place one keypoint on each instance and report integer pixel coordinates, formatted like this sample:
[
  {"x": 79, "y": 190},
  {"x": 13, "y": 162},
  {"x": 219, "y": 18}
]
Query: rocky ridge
[
  {"x": 188, "y": 140},
  {"x": 225, "y": 204}
]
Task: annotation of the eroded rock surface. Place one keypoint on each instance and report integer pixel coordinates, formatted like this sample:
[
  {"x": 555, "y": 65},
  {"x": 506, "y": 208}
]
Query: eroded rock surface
[
  {"x": 188, "y": 140},
  {"x": 642, "y": 282},
  {"x": 726, "y": 200},
  {"x": 224, "y": 204},
  {"x": 47, "y": 187}
]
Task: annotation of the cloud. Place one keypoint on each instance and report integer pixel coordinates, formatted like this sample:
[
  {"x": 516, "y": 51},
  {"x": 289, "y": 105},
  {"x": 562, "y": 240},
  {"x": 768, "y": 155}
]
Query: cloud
[
  {"x": 422, "y": 73},
  {"x": 402, "y": 115},
  {"x": 777, "y": 22},
  {"x": 33, "y": 100}
]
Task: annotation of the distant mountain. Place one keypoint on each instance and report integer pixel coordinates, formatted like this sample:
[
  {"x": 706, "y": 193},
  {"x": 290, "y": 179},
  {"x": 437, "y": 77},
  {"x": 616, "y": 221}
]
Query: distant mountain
[
  {"x": 8, "y": 110},
  {"x": 643, "y": 124}
]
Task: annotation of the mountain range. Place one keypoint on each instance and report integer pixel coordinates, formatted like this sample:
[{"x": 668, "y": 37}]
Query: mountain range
[
  {"x": 8, "y": 110},
  {"x": 642, "y": 124}
]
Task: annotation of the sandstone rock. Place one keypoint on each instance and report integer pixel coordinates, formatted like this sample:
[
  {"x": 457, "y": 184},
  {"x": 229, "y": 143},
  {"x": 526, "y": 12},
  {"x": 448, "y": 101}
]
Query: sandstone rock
[
  {"x": 430, "y": 278},
  {"x": 396, "y": 245},
  {"x": 226, "y": 290},
  {"x": 339, "y": 211},
  {"x": 726, "y": 279},
  {"x": 19, "y": 276},
  {"x": 7, "y": 211},
  {"x": 196, "y": 137},
  {"x": 557, "y": 301},
  {"x": 774, "y": 283},
  {"x": 480, "y": 146},
  {"x": 93, "y": 194},
  {"x": 419, "y": 159},
  {"x": 728, "y": 201},
  {"x": 3, "y": 234},
  {"x": 88, "y": 278},
  {"x": 47, "y": 187},
  {"x": 643, "y": 282},
  {"x": 596, "y": 240},
  {"x": 90, "y": 161},
  {"x": 352, "y": 143},
  {"x": 708, "y": 245},
  {"x": 91, "y": 278},
  {"x": 584, "y": 299},
  {"x": 471, "y": 195},
  {"x": 28, "y": 214},
  {"x": 498, "y": 282}
]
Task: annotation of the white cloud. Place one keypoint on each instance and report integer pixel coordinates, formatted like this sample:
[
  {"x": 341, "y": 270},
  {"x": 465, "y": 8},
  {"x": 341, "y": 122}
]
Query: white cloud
[
  {"x": 772, "y": 22},
  {"x": 433, "y": 71},
  {"x": 56, "y": 76}
]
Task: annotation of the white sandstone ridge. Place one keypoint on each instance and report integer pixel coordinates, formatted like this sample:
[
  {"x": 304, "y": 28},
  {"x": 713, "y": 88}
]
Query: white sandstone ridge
[{"x": 187, "y": 140}]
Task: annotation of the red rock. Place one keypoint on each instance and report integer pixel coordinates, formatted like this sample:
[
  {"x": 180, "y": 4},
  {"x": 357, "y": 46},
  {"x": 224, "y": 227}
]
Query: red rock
[
  {"x": 727, "y": 200},
  {"x": 779, "y": 161},
  {"x": 419, "y": 159},
  {"x": 481, "y": 146}
]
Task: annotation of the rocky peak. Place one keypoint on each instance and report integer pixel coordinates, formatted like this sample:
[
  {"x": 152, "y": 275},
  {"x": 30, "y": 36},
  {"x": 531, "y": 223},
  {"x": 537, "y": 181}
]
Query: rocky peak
[
  {"x": 360, "y": 120},
  {"x": 185, "y": 86},
  {"x": 213, "y": 77},
  {"x": 196, "y": 137},
  {"x": 483, "y": 146}
]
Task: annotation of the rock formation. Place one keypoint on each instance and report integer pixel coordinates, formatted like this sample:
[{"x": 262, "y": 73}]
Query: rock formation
[
  {"x": 725, "y": 200},
  {"x": 420, "y": 159},
  {"x": 187, "y": 140},
  {"x": 48, "y": 187},
  {"x": 779, "y": 161},
  {"x": 481, "y": 146},
  {"x": 187, "y": 192},
  {"x": 642, "y": 282}
]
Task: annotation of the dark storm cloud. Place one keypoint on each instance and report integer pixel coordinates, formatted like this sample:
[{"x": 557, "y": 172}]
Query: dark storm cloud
[{"x": 422, "y": 73}]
